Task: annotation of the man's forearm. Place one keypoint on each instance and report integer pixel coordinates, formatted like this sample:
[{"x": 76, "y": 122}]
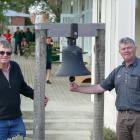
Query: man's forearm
[{"x": 93, "y": 89}]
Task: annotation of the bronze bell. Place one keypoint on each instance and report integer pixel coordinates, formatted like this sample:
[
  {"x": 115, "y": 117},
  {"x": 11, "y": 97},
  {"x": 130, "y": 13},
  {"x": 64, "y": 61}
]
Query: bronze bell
[{"x": 72, "y": 62}]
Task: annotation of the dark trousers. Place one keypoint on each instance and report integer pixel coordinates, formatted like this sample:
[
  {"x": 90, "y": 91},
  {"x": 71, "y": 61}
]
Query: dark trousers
[
  {"x": 17, "y": 46},
  {"x": 128, "y": 125}
]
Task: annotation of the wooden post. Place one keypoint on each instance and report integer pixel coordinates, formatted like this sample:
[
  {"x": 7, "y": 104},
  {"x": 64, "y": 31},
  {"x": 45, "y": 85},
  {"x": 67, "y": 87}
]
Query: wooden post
[
  {"x": 64, "y": 30},
  {"x": 98, "y": 118},
  {"x": 39, "y": 87}
]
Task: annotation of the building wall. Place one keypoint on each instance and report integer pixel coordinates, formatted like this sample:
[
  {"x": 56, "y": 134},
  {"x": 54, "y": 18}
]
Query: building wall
[
  {"x": 119, "y": 17},
  {"x": 120, "y": 22},
  {"x": 78, "y": 11},
  {"x": 137, "y": 27},
  {"x": 17, "y": 21}
]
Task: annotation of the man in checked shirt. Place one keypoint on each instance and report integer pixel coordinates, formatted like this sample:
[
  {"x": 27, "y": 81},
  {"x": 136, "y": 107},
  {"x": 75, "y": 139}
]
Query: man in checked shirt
[{"x": 126, "y": 81}]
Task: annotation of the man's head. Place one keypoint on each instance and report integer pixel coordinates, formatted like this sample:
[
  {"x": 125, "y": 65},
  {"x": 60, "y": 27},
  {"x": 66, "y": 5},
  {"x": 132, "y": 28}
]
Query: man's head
[
  {"x": 5, "y": 52},
  {"x": 17, "y": 29},
  {"x": 127, "y": 49},
  {"x": 7, "y": 31}
]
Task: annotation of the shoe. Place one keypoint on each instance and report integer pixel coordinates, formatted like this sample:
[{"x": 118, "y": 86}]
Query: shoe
[{"x": 48, "y": 82}]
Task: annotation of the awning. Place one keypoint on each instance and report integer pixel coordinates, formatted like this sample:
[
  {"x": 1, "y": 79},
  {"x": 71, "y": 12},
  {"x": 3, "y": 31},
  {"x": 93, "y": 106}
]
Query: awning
[{"x": 11, "y": 13}]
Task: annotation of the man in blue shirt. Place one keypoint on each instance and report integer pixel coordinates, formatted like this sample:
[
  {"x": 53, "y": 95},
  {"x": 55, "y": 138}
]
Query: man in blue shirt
[{"x": 126, "y": 81}]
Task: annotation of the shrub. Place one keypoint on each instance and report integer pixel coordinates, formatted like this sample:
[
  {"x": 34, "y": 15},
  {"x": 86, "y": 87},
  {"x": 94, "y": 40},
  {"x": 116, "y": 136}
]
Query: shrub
[
  {"x": 29, "y": 50},
  {"x": 109, "y": 134}
]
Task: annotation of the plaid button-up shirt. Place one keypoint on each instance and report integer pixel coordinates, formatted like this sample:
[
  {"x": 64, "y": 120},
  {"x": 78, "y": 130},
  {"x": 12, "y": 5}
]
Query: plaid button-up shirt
[{"x": 126, "y": 81}]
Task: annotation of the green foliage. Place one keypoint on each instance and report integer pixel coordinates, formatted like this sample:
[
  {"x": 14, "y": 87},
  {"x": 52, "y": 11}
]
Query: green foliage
[
  {"x": 20, "y": 5},
  {"x": 23, "y": 5},
  {"x": 56, "y": 8},
  {"x": 29, "y": 51},
  {"x": 109, "y": 134},
  {"x": 3, "y": 6}
]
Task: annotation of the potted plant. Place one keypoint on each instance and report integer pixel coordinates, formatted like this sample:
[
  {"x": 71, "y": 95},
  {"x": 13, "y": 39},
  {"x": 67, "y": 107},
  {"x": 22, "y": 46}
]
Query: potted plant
[{"x": 41, "y": 13}]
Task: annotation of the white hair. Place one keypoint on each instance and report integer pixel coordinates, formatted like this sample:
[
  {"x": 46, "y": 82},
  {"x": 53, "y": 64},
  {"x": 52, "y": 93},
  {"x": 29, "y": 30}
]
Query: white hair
[{"x": 127, "y": 40}]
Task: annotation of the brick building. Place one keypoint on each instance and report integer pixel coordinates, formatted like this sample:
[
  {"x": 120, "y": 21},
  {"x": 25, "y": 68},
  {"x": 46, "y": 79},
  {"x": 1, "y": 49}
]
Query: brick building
[{"x": 16, "y": 18}]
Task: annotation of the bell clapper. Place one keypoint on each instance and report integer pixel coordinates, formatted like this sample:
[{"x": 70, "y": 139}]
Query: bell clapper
[{"x": 72, "y": 78}]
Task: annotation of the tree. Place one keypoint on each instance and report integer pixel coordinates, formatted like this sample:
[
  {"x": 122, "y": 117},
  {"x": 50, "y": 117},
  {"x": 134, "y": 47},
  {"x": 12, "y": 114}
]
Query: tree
[
  {"x": 23, "y": 5},
  {"x": 56, "y": 8},
  {"x": 3, "y": 5}
]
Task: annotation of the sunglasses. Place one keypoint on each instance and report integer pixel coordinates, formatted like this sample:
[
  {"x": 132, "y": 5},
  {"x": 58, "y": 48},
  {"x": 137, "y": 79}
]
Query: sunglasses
[{"x": 7, "y": 53}]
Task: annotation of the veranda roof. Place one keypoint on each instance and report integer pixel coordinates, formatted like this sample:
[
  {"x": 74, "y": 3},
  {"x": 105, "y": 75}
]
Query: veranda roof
[{"x": 11, "y": 13}]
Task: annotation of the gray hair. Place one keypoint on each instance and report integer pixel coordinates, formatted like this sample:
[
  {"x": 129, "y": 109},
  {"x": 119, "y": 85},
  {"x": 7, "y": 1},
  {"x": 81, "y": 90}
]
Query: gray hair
[
  {"x": 5, "y": 44},
  {"x": 127, "y": 40}
]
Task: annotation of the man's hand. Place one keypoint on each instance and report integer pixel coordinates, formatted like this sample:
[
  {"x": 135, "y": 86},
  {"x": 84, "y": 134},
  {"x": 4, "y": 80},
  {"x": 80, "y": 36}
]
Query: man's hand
[
  {"x": 94, "y": 89},
  {"x": 45, "y": 100},
  {"x": 73, "y": 86}
]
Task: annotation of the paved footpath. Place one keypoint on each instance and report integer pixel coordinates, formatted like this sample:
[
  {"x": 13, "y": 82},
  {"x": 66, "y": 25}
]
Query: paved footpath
[{"x": 60, "y": 98}]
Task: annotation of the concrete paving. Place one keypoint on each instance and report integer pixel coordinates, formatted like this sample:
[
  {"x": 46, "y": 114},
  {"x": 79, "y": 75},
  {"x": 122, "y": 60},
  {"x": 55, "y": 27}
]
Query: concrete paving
[{"x": 60, "y": 98}]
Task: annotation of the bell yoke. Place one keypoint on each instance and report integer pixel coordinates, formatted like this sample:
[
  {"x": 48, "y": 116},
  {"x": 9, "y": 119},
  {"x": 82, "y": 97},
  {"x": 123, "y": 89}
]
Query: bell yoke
[{"x": 72, "y": 59}]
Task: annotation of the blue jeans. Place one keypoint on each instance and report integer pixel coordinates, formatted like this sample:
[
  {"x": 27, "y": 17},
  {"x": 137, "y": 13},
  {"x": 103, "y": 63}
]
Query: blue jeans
[{"x": 11, "y": 128}]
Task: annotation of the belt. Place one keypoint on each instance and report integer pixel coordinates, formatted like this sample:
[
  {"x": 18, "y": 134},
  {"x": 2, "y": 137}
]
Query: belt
[{"x": 129, "y": 111}]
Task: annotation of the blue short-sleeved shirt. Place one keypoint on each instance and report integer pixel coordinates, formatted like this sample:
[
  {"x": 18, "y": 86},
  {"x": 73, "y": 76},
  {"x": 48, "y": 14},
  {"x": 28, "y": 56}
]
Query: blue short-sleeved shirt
[{"x": 126, "y": 81}]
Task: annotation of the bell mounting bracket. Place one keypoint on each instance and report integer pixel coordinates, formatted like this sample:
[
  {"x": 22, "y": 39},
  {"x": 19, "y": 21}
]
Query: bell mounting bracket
[{"x": 71, "y": 31}]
